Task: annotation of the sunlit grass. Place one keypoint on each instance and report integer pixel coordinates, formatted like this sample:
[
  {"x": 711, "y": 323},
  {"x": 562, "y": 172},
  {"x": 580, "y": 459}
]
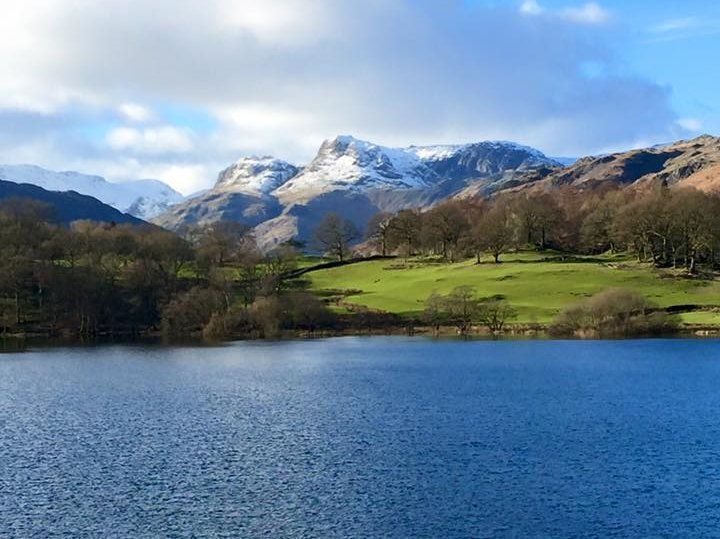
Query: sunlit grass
[{"x": 538, "y": 285}]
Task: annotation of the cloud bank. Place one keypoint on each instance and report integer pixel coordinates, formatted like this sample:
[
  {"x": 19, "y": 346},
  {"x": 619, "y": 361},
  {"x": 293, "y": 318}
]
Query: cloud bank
[{"x": 177, "y": 89}]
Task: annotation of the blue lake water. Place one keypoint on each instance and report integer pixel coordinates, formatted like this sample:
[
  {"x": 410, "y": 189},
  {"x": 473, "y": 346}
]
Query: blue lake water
[{"x": 363, "y": 437}]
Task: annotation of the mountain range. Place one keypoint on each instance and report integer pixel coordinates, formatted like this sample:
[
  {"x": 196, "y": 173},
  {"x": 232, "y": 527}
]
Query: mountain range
[
  {"x": 353, "y": 177},
  {"x": 357, "y": 179},
  {"x": 144, "y": 199},
  {"x": 687, "y": 163}
]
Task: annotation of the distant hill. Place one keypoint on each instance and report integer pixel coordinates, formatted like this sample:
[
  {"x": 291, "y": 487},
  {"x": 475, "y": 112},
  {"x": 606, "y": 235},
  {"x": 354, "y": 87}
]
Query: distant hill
[
  {"x": 142, "y": 198},
  {"x": 691, "y": 163},
  {"x": 68, "y": 206}
]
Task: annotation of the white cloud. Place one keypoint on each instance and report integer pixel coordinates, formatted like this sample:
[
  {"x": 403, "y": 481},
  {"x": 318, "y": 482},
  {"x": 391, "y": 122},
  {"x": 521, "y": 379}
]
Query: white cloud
[
  {"x": 156, "y": 140},
  {"x": 531, "y": 7},
  {"x": 278, "y": 76},
  {"x": 276, "y": 22},
  {"x": 673, "y": 25},
  {"x": 683, "y": 28},
  {"x": 137, "y": 113},
  {"x": 690, "y": 124},
  {"x": 186, "y": 178},
  {"x": 590, "y": 13}
]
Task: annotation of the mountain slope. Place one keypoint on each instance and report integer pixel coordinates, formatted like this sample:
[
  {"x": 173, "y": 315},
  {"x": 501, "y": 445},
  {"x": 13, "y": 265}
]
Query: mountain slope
[
  {"x": 487, "y": 166},
  {"x": 142, "y": 198},
  {"x": 350, "y": 176},
  {"x": 67, "y": 206},
  {"x": 255, "y": 176},
  {"x": 242, "y": 192},
  {"x": 348, "y": 164},
  {"x": 358, "y": 179},
  {"x": 693, "y": 163}
]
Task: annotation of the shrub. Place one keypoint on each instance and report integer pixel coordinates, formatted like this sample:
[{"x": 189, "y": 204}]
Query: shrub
[
  {"x": 462, "y": 309},
  {"x": 190, "y": 311},
  {"x": 305, "y": 311},
  {"x": 614, "y": 312},
  {"x": 265, "y": 314},
  {"x": 233, "y": 323}
]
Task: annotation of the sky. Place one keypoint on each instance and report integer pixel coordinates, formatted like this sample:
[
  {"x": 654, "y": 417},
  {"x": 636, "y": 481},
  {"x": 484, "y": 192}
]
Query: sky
[{"x": 179, "y": 89}]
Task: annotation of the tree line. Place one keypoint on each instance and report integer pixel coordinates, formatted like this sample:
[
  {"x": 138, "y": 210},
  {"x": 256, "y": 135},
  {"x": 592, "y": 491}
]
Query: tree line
[
  {"x": 678, "y": 227},
  {"x": 92, "y": 279}
]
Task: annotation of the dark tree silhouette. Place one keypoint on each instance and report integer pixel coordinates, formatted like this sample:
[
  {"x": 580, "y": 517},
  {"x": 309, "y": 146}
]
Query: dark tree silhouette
[{"x": 334, "y": 235}]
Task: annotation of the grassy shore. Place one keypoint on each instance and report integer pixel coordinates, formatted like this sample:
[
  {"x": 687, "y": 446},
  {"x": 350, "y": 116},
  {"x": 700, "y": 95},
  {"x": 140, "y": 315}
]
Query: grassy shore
[{"x": 537, "y": 285}]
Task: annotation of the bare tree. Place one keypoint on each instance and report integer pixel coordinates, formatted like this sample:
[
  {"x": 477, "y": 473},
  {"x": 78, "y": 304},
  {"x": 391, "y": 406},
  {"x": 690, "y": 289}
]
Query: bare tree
[
  {"x": 405, "y": 231},
  {"x": 442, "y": 228},
  {"x": 494, "y": 314},
  {"x": 461, "y": 305},
  {"x": 495, "y": 231},
  {"x": 379, "y": 231},
  {"x": 334, "y": 234},
  {"x": 434, "y": 314}
]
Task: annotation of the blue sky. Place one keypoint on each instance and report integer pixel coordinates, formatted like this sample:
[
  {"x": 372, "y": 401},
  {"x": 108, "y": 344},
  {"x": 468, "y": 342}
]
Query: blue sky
[
  {"x": 674, "y": 43},
  {"x": 178, "y": 89}
]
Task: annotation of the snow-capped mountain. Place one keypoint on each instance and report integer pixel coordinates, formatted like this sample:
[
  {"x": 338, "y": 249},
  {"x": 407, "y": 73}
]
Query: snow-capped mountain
[
  {"x": 242, "y": 192},
  {"x": 349, "y": 176},
  {"x": 480, "y": 159},
  {"x": 142, "y": 198},
  {"x": 255, "y": 175},
  {"x": 346, "y": 163}
]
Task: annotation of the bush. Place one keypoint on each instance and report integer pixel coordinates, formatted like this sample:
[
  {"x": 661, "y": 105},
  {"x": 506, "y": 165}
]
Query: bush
[
  {"x": 614, "y": 312},
  {"x": 268, "y": 316},
  {"x": 224, "y": 325},
  {"x": 302, "y": 310},
  {"x": 462, "y": 309},
  {"x": 190, "y": 311}
]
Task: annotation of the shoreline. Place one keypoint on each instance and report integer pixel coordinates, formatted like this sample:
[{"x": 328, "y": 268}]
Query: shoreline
[{"x": 17, "y": 342}]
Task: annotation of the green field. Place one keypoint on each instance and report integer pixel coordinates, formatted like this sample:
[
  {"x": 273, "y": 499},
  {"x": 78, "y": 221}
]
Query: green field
[{"x": 537, "y": 285}]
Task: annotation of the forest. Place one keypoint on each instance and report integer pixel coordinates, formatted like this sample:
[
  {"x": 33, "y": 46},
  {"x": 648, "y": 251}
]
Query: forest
[{"x": 92, "y": 279}]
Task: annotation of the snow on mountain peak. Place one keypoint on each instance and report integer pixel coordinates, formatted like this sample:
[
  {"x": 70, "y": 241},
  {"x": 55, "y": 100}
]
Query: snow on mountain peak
[
  {"x": 255, "y": 175},
  {"x": 346, "y": 162},
  {"x": 141, "y": 198},
  {"x": 445, "y": 151}
]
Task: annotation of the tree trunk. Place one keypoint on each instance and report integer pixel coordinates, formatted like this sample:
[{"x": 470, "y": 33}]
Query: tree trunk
[{"x": 17, "y": 308}]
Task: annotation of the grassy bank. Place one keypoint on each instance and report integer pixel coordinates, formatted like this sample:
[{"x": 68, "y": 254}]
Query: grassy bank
[{"x": 537, "y": 285}]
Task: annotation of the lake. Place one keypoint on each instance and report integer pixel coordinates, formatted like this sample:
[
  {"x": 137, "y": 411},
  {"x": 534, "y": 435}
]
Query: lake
[{"x": 363, "y": 437}]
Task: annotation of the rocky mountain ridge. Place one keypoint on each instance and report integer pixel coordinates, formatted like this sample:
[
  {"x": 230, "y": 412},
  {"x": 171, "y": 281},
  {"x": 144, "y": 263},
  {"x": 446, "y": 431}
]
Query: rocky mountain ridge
[
  {"x": 690, "y": 163},
  {"x": 354, "y": 177}
]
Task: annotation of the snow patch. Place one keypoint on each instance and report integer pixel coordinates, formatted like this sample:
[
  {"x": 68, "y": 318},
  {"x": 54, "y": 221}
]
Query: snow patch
[{"x": 141, "y": 198}]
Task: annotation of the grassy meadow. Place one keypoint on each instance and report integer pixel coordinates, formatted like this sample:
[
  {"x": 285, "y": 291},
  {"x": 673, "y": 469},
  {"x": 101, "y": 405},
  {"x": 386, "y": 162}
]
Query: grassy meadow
[{"x": 537, "y": 285}]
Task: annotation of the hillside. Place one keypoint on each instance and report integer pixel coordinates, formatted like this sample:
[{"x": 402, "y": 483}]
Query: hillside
[
  {"x": 67, "y": 206},
  {"x": 694, "y": 163},
  {"x": 242, "y": 192},
  {"x": 537, "y": 285},
  {"x": 142, "y": 198}
]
